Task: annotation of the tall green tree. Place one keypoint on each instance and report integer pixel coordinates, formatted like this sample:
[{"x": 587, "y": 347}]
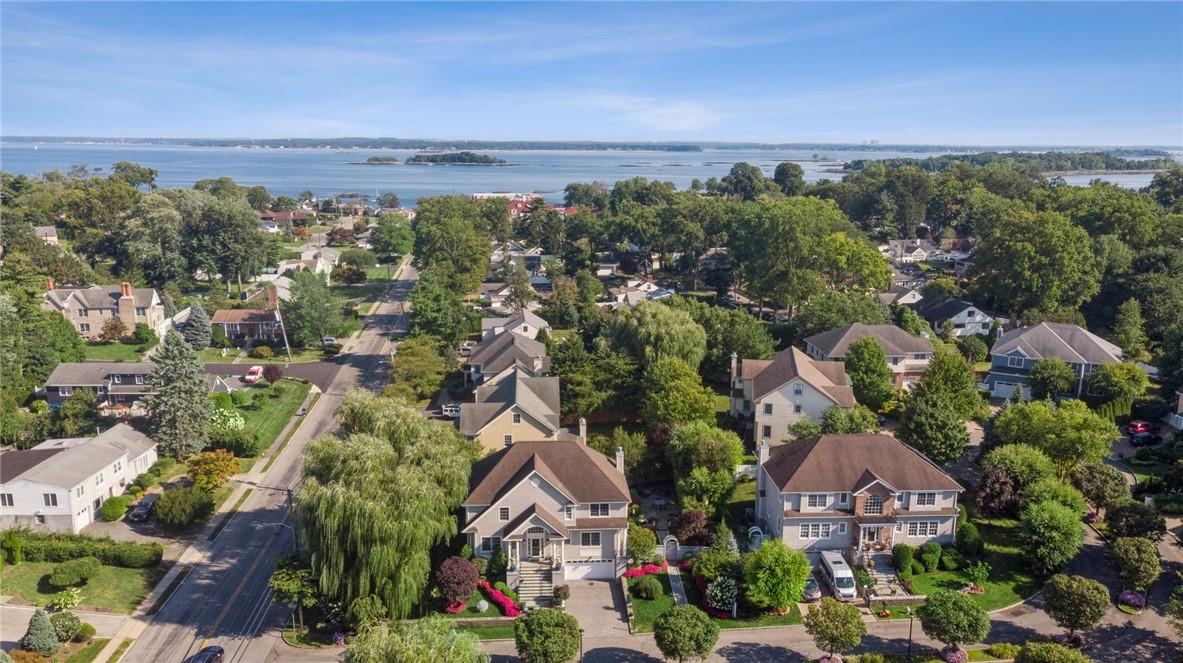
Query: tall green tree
[
  {"x": 775, "y": 575},
  {"x": 1120, "y": 381},
  {"x": 871, "y": 377},
  {"x": 376, "y": 501},
  {"x": 727, "y": 331},
  {"x": 1128, "y": 330},
  {"x": 1069, "y": 433},
  {"x": 954, "y": 619},
  {"x": 521, "y": 293},
  {"x": 419, "y": 366},
  {"x": 292, "y": 582},
  {"x": 451, "y": 236},
  {"x": 836, "y": 627},
  {"x": 393, "y": 235},
  {"x": 1102, "y": 485},
  {"x": 685, "y": 633},
  {"x": 78, "y": 413},
  {"x": 311, "y": 313},
  {"x": 179, "y": 406},
  {"x": 1050, "y": 536},
  {"x": 150, "y": 242},
  {"x": 546, "y": 635},
  {"x": 932, "y": 424},
  {"x": 1051, "y": 376},
  {"x": 651, "y": 331},
  {"x": 673, "y": 393},
  {"x": 1075, "y": 602},
  {"x": 1138, "y": 562},
  {"x": 790, "y": 177},
  {"x": 438, "y": 310},
  {"x": 951, "y": 377},
  {"x": 197, "y": 330}
]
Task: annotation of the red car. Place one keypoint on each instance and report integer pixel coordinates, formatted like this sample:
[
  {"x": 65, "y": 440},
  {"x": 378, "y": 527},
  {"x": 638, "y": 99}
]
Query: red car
[{"x": 1139, "y": 426}]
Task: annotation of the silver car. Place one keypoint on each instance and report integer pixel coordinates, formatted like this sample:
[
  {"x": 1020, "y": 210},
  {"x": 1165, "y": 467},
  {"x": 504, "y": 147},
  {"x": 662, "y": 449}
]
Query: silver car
[{"x": 812, "y": 591}]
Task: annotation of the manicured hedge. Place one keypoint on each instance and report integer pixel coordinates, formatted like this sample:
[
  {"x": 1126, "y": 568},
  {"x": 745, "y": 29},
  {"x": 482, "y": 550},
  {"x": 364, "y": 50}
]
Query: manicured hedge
[
  {"x": 74, "y": 572},
  {"x": 114, "y": 508},
  {"x": 44, "y": 547}
]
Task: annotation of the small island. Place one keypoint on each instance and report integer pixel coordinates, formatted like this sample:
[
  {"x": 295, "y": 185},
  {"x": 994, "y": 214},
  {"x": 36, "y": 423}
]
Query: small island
[
  {"x": 457, "y": 158},
  {"x": 380, "y": 160}
]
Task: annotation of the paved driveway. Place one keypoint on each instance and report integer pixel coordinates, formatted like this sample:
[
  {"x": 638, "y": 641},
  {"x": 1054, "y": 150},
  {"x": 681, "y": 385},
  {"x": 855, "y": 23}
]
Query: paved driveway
[{"x": 599, "y": 607}]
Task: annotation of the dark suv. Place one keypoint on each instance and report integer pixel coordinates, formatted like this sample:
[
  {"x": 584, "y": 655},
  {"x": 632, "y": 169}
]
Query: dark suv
[
  {"x": 211, "y": 654},
  {"x": 142, "y": 511}
]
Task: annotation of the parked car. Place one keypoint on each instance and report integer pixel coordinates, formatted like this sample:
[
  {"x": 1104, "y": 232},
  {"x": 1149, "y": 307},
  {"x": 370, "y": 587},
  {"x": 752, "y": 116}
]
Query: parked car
[
  {"x": 1141, "y": 426},
  {"x": 466, "y": 349},
  {"x": 302, "y": 411},
  {"x": 1145, "y": 439},
  {"x": 329, "y": 341},
  {"x": 253, "y": 374},
  {"x": 813, "y": 592},
  {"x": 838, "y": 575},
  {"x": 142, "y": 511},
  {"x": 451, "y": 410},
  {"x": 211, "y": 654}
]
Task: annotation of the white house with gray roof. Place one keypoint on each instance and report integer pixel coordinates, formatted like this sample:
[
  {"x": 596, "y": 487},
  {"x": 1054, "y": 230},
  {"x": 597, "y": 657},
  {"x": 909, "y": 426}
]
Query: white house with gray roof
[
  {"x": 59, "y": 485},
  {"x": 769, "y": 395},
  {"x": 1017, "y": 351}
]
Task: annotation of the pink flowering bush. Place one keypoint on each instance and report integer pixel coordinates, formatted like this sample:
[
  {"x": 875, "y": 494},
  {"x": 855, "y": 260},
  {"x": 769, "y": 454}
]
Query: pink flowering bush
[
  {"x": 1132, "y": 599},
  {"x": 954, "y": 654},
  {"x": 647, "y": 570},
  {"x": 454, "y": 608},
  {"x": 508, "y": 607}
]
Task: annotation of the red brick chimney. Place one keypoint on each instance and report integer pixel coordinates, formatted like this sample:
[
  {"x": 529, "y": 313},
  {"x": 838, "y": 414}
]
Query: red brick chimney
[
  {"x": 272, "y": 296},
  {"x": 125, "y": 289},
  {"x": 49, "y": 283}
]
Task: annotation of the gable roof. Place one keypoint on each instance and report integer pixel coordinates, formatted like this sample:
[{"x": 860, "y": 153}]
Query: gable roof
[
  {"x": 513, "y": 321},
  {"x": 243, "y": 315},
  {"x": 1053, "y": 339},
  {"x": 851, "y": 462},
  {"x": 101, "y": 296},
  {"x": 18, "y": 461},
  {"x": 895, "y": 341},
  {"x": 828, "y": 377},
  {"x": 537, "y": 396},
  {"x": 511, "y": 530},
  {"x": 942, "y": 308},
  {"x": 67, "y": 462},
  {"x": 586, "y": 474},
  {"x": 94, "y": 373},
  {"x": 499, "y": 352}
]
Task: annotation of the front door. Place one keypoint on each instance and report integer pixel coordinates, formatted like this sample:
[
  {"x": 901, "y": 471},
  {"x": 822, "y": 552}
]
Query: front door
[
  {"x": 534, "y": 546},
  {"x": 870, "y": 534}
]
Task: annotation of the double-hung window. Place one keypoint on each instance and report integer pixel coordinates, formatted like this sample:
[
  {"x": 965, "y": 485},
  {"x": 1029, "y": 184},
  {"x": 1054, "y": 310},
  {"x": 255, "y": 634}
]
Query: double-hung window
[
  {"x": 589, "y": 539},
  {"x": 51, "y": 499},
  {"x": 517, "y": 418},
  {"x": 1014, "y": 362},
  {"x": 6, "y": 499},
  {"x": 815, "y": 531},
  {"x": 569, "y": 512},
  {"x": 926, "y": 499},
  {"x": 768, "y": 408},
  {"x": 816, "y": 501},
  {"x": 599, "y": 510},
  {"x": 766, "y": 431},
  {"x": 925, "y": 528}
]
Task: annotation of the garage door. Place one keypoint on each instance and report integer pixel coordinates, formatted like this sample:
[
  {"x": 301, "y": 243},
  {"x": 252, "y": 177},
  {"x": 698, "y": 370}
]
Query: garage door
[
  {"x": 590, "y": 570},
  {"x": 1003, "y": 389}
]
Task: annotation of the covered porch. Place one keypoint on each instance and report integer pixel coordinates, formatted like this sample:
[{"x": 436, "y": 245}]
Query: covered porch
[
  {"x": 876, "y": 536},
  {"x": 535, "y": 538}
]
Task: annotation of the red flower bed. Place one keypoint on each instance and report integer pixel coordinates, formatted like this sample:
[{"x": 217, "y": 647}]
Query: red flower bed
[
  {"x": 456, "y": 607},
  {"x": 684, "y": 566},
  {"x": 647, "y": 570},
  {"x": 508, "y": 607}
]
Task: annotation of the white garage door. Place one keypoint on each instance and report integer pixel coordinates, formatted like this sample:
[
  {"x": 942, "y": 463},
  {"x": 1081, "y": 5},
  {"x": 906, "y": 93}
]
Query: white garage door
[
  {"x": 597, "y": 570},
  {"x": 1003, "y": 389}
]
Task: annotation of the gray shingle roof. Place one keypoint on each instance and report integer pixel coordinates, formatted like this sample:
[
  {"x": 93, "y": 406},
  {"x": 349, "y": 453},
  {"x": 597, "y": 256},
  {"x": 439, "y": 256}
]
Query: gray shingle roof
[
  {"x": 841, "y": 462},
  {"x": 74, "y": 460},
  {"x": 1053, "y": 339},
  {"x": 941, "y": 308},
  {"x": 514, "y": 321},
  {"x": 828, "y": 377},
  {"x": 499, "y": 352},
  {"x": 101, "y": 296},
  {"x": 538, "y": 397},
  {"x": 895, "y": 341},
  {"x": 95, "y": 373}
]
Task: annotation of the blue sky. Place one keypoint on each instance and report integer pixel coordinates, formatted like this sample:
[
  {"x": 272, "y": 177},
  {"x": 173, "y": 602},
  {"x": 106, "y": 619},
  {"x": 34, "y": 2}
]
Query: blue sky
[{"x": 998, "y": 73}]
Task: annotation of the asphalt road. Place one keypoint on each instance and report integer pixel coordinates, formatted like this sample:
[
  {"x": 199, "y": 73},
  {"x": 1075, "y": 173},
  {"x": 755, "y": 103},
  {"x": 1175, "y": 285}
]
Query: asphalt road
[{"x": 225, "y": 600}]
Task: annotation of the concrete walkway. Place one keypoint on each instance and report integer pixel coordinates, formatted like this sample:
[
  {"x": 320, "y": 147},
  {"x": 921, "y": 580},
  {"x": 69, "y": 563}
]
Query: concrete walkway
[{"x": 676, "y": 586}]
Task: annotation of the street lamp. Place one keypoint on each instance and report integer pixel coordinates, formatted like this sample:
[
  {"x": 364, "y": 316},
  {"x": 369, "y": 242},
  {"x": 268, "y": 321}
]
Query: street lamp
[
  {"x": 911, "y": 619},
  {"x": 295, "y": 539},
  {"x": 580, "y": 645}
]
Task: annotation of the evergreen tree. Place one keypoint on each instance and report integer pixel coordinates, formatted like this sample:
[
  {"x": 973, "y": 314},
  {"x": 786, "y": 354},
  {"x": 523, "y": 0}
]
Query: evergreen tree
[
  {"x": 179, "y": 407},
  {"x": 870, "y": 376},
  {"x": 40, "y": 638},
  {"x": 1128, "y": 330},
  {"x": 197, "y": 330}
]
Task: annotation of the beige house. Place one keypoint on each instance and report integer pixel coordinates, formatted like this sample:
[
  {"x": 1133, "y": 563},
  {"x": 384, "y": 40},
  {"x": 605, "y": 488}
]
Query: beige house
[
  {"x": 511, "y": 407},
  {"x": 907, "y": 355},
  {"x": 558, "y": 510},
  {"x": 857, "y": 494},
  {"x": 521, "y": 322},
  {"x": 89, "y": 308},
  {"x": 769, "y": 395}
]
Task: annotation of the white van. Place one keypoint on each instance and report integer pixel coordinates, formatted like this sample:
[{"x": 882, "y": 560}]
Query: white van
[{"x": 837, "y": 572}]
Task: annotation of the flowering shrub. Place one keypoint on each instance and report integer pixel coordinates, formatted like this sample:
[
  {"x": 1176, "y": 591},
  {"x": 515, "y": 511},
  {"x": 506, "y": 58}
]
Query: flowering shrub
[
  {"x": 339, "y": 639},
  {"x": 508, "y": 607},
  {"x": 684, "y": 565},
  {"x": 1132, "y": 599},
  {"x": 453, "y": 608},
  {"x": 954, "y": 654},
  {"x": 224, "y": 419},
  {"x": 721, "y": 593},
  {"x": 701, "y": 584},
  {"x": 647, "y": 570}
]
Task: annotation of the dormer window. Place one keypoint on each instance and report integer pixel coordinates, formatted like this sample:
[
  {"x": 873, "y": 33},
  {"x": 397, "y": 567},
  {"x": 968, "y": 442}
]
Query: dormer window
[
  {"x": 1014, "y": 362},
  {"x": 816, "y": 501},
  {"x": 118, "y": 379}
]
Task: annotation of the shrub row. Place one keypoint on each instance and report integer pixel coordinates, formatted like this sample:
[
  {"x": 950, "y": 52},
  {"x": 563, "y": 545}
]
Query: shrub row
[{"x": 43, "y": 547}]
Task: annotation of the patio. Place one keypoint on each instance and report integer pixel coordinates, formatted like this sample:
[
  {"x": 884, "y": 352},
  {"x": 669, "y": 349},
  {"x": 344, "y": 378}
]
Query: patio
[{"x": 659, "y": 510}]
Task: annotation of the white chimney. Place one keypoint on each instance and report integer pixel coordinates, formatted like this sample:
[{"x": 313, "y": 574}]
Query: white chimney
[
  {"x": 734, "y": 365},
  {"x": 620, "y": 459},
  {"x": 762, "y": 453},
  {"x": 582, "y": 430}
]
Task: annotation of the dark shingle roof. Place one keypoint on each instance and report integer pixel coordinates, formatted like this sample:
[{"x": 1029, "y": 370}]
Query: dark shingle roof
[
  {"x": 941, "y": 308},
  {"x": 499, "y": 352},
  {"x": 94, "y": 373},
  {"x": 17, "y": 462},
  {"x": 842, "y": 463},
  {"x": 895, "y": 341},
  {"x": 585, "y": 473},
  {"x": 828, "y": 377},
  {"x": 101, "y": 296}
]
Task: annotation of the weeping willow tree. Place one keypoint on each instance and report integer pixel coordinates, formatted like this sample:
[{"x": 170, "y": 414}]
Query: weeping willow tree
[
  {"x": 377, "y": 499},
  {"x": 428, "y": 640}
]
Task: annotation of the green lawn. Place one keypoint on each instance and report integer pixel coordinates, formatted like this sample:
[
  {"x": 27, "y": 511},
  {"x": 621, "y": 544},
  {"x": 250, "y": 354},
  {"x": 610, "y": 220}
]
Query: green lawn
[
  {"x": 742, "y": 498},
  {"x": 215, "y": 356},
  {"x": 121, "y": 650},
  {"x": 299, "y": 356},
  {"x": 268, "y": 420},
  {"x": 750, "y": 620},
  {"x": 86, "y": 653},
  {"x": 1009, "y": 580},
  {"x": 492, "y": 632},
  {"x": 114, "y": 352},
  {"x": 114, "y": 589},
  {"x": 363, "y": 294},
  {"x": 470, "y": 611},
  {"x": 645, "y": 612},
  {"x": 307, "y": 638},
  {"x": 381, "y": 272}
]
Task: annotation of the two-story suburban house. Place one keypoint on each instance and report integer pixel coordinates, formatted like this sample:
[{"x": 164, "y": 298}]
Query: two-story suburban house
[
  {"x": 769, "y": 395},
  {"x": 907, "y": 355},
  {"x": 900, "y": 295},
  {"x": 495, "y": 354},
  {"x": 910, "y": 250},
  {"x": 858, "y": 494},
  {"x": 513, "y": 406},
  {"x": 247, "y": 324},
  {"x": 1016, "y": 352},
  {"x": 59, "y": 485},
  {"x": 89, "y": 308},
  {"x": 521, "y": 322},
  {"x": 119, "y": 385},
  {"x": 965, "y": 318},
  {"x": 559, "y": 511}
]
